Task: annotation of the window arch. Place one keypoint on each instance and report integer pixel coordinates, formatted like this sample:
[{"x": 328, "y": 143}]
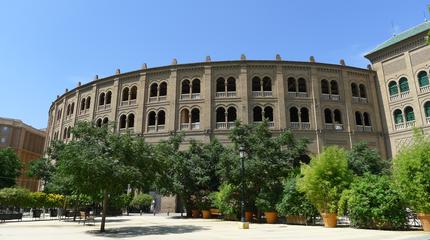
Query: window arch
[
  {"x": 133, "y": 93},
  {"x": 358, "y": 119},
  {"x": 163, "y": 89},
  {"x": 256, "y": 84},
  {"x": 354, "y": 90},
  {"x": 185, "y": 115},
  {"x": 267, "y": 84},
  {"x": 185, "y": 87},
  {"x": 398, "y": 116},
  {"x": 88, "y": 102},
  {"x": 105, "y": 121},
  {"x": 268, "y": 113},
  {"x": 151, "y": 118},
  {"x": 231, "y": 84},
  {"x": 292, "y": 84},
  {"x": 69, "y": 131},
  {"x": 130, "y": 120},
  {"x": 220, "y": 85},
  {"x": 325, "y": 87},
  {"x": 102, "y": 98},
  {"x": 367, "y": 121},
  {"x": 161, "y": 118},
  {"x": 125, "y": 93},
  {"x": 427, "y": 109},
  {"x": 363, "y": 93},
  {"x": 99, "y": 122},
  {"x": 72, "y": 108},
  {"x": 108, "y": 97},
  {"x": 327, "y": 116},
  {"x": 83, "y": 104},
  {"x": 403, "y": 84},
  {"x": 302, "y": 85},
  {"x": 195, "y": 116},
  {"x": 392, "y": 87},
  {"x": 231, "y": 114},
  {"x": 257, "y": 113},
  {"x": 304, "y": 114},
  {"x": 220, "y": 114},
  {"x": 122, "y": 121},
  {"x": 334, "y": 88},
  {"x": 195, "y": 86},
  {"x": 65, "y": 133},
  {"x": 153, "y": 90},
  {"x": 423, "y": 78},
  {"x": 294, "y": 114},
  {"x": 337, "y": 116},
  {"x": 68, "y": 110},
  {"x": 409, "y": 114}
]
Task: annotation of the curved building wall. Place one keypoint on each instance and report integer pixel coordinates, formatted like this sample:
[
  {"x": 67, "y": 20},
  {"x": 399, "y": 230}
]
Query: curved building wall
[{"x": 329, "y": 104}]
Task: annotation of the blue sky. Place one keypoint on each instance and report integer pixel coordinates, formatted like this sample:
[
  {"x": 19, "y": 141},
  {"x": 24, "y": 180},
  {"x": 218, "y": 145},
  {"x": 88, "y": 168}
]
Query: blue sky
[{"x": 47, "y": 46}]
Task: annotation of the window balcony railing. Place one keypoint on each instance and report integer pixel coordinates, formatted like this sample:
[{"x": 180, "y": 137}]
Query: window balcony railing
[
  {"x": 368, "y": 128},
  {"x": 408, "y": 124},
  {"x": 184, "y": 126},
  {"x": 160, "y": 127},
  {"x": 221, "y": 125},
  {"x": 231, "y": 94},
  {"x": 404, "y": 94},
  {"x": 428, "y": 120},
  {"x": 162, "y": 98},
  {"x": 295, "y": 125},
  {"x": 300, "y": 125},
  {"x": 363, "y": 100},
  {"x": 152, "y": 99},
  {"x": 195, "y": 125},
  {"x": 394, "y": 97},
  {"x": 185, "y": 96},
  {"x": 306, "y": 125},
  {"x": 151, "y": 128},
  {"x": 195, "y": 96},
  {"x": 271, "y": 124},
  {"x": 124, "y": 103},
  {"x": 267, "y": 93},
  {"x": 231, "y": 125},
  {"x": 399, "y": 96},
  {"x": 132, "y": 102},
  {"x": 425, "y": 89},
  {"x": 334, "y": 126},
  {"x": 335, "y": 97},
  {"x": 220, "y": 94},
  {"x": 257, "y": 93},
  {"x": 298, "y": 94},
  {"x": 355, "y": 99},
  {"x": 325, "y": 96}
]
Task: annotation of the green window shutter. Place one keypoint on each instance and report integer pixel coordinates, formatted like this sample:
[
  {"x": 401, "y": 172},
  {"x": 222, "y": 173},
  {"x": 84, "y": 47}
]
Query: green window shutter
[
  {"x": 427, "y": 109},
  {"x": 398, "y": 118},
  {"x": 393, "y": 89},
  {"x": 410, "y": 116},
  {"x": 404, "y": 86},
  {"x": 423, "y": 79}
]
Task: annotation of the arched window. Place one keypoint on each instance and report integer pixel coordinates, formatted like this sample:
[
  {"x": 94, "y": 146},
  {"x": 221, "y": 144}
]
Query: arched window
[
  {"x": 122, "y": 121},
  {"x": 257, "y": 114},
  {"x": 153, "y": 89},
  {"x": 392, "y": 87},
  {"x": 231, "y": 114},
  {"x": 130, "y": 120},
  {"x": 327, "y": 116},
  {"x": 195, "y": 115},
  {"x": 108, "y": 97},
  {"x": 302, "y": 85},
  {"x": 363, "y": 93},
  {"x": 267, "y": 84},
  {"x": 256, "y": 84},
  {"x": 294, "y": 114},
  {"x": 366, "y": 118},
  {"x": 398, "y": 116},
  {"x": 196, "y": 86},
  {"x": 220, "y": 114},
  {"x": 403, "y": 84},
  {"x": 334, "y": 87},
  {"x": 65, "y": 133},
  {"x": 72, "y": 109},
  {"x": 354, "y": 90},
  {"x": 185, "y": 115},
  {"x": 68, "y": 110},
  {"x": 105, "y": 121},
  {"x": 337, "y": 116},
  {"x": 220, "y": 85},
  {"x": 88, "y": 102},
  {"x": 69, "y": 131},
  {"x": 161, "y": 118},
  {"x": 101, "y": 99},
  {"x": 292, "y": 84},
  {"x": 125, "y": 93},
  {"x": 427, "y": 109},
  {"x": 304, "y": 115},
  {"x": 231, "y": 84},
  {"x": 151, "y": 118},
  {"x": 409, "y": 114},
  {"x": 133, "y": 93},
  {"x": 185, "y": 87},
  {"x": 358, "y": 119},
  {"x": 423, "y": 79},
  {"x": 99, "y": 122},
  {"x": 325, "y": 87},
  {"x": 83, "y": 104},
  {"x": 163, "y": 89},
  {"x": 268, "y": 113}
]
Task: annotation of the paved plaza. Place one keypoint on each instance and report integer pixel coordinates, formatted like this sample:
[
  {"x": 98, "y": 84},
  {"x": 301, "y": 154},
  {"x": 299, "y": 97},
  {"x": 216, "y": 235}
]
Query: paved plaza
[{"x": 164, "y": 227}]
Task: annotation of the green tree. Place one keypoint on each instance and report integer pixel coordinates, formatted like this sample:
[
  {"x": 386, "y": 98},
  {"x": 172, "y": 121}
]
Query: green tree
[
  {"x": 15, "y": 197},
  {"x": 324, "y": 179},
  {"x": 362, "y": 159},
  {"x": 141, "y": 201},
  {"x": 10, "y": 167},
  {"x": 42, "y": 169}
]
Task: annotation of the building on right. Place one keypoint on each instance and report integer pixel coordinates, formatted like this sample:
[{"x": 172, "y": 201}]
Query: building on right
[{"x": 402, "y": 64}]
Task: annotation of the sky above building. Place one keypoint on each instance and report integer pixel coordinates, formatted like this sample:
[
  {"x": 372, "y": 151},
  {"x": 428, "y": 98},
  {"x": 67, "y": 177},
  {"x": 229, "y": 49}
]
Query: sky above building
[{"x": 47, "y": 46}]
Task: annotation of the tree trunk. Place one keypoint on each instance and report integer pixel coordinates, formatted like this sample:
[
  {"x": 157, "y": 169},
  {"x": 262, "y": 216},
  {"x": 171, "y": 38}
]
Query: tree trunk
[{"x": 104, "y": 211}]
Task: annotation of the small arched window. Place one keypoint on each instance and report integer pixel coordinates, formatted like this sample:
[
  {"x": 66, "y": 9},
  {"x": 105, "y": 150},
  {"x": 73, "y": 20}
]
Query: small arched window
[
  {"x": 68, "y": 110},
  {"x": 108, "y": 97},
  {"x": 327, "y": 116},
  {"x": 403, "y": 85},
  {"x": 358, "y": 119},
  {"x": 267, "y": 84},
  {"x": 185, "y": 87},
  {"x": 163, "y": 89},
  {"x": 195, "y": 115},
  {"x": 130, "y": 120},
  {"x": 151, "y": 118},
  {"x": 409, "y": 114},
  {"x": 325, "y": 87},
  {"x": 83, "y": 104},
  {"x": 334, "y": 87},
  {"x": 101, "y": 99},
  {"x": 231, "y": 114},
  {"x": 231, "y": 84},
  {"x": 196, "y": 86},
  {"x": 427, "y": 109},
  {"x": 105, "y": 121},
  {"x": 268, "y": 113},
  {"x": 256, "y": 84},
  {"x": 366, "y": 118},
  {"x": 88, "y": 102},
  {"x": 392, "y": 88},
  {"x": 220, "y": 85},
  {"x": 69, "y": 131},
  {"x": 99, "y": 122},
  {"x": 337, "y": 116},
  {"x": 65, "y": 133},
  {"x": 125, "y": 93},
  {"x": 72, "y": 109},
  {"x": 294, "y": 114},
  {"x": 122, "y": 122},
  {"x": 292, "y": 84},
  {"x": 398, "y": 116},
  {"x": 354, "y": 90},
  {"x": 257, "y": 113},
  {"x": 153, "y": 89},
  {"x": 161, "y": 118},
  {"x": 133, "y": 93},
  {"x": 363, "y": 93},
  {"x": 185, "y": 115},
  {"x": 423, "y": 78},
  {"x": 220, "y": 114},
  {"x": 304, "y": 115},
  {"x": 302, "y": 85}
]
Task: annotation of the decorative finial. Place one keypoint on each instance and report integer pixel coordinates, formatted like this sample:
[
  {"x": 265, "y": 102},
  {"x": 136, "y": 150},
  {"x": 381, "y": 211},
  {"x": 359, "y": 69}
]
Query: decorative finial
[
  {"x": 369, "y": 66},
  {"x": 97, "y": 76},
  {"x": 79, "y": 84},
  {"x": 243, "y": 57},
  {"x": 312, "y": 59},
  {"x": 66, "y": 90},
  {"x": 117, "y": 71},
  {"x": 208, "y": 58},
  {"x": 144, "y": 66},
  {"x": 174, "y": 61},
  {"x": 342, "y": 62},
  {"x": 58, "y": 96},
  {"x": 278, "y": 57}
]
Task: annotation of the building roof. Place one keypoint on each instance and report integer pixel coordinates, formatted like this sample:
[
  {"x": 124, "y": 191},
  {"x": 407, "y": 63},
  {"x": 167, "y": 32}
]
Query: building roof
[
  {"x": 425, "y": 26},
  {"x": 19, "y": 123}
]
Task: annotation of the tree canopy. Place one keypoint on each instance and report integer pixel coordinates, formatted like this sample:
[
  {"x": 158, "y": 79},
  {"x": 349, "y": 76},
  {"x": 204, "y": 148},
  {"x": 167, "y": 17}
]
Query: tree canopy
[{"x": 10, "y": 167}]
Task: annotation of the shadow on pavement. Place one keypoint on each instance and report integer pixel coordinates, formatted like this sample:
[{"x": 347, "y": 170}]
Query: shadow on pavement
[{"x": 124, "y": 232}]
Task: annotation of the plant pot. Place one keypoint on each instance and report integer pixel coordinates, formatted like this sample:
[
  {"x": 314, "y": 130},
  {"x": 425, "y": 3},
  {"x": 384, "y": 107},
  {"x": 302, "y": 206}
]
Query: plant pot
[
  {"x": 248, "y": 216},
  {"x": 206, "y": 214},
  {"x": 271, "y": 217},
  {"x": 37, "y": 213},
  {"x": 329, "y": 219},
  {"x": 296, "y": 219},
  {"x": 425, "y": 221},
  {"x": 195, "y": 213}
]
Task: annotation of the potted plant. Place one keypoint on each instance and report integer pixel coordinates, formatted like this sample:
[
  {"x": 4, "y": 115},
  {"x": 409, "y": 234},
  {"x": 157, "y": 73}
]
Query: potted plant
[
  {"x": 141, "y": 201},
  {"x": 266, "y": 201},
  {"x": 54, "y": 201},
  {"x": 227, "y": 201},
  {"x": 410, "y": 172},
  {"x": 39, "y": 201},
  {"x": 294, "y": 205},
  {"x": 204, "y": 205},
  {"x": 323, "y": 180}
]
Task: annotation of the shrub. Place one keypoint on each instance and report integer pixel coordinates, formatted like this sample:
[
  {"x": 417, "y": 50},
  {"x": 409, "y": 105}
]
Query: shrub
[
  {"x": 16, "y": 197},
  {"x": 54, "y": 200},
  {"x": 293, "y": 202},
  {"x": 373, "y": 203},
  {"x": 362, "y": 159},
  {"x": 226, "y": 200},
  {"x": 141, "y": 201},
  {"x": 268, "y": 197},
  {"x": 411, "y": 172},
  {"x": 324, "y": 179},
  {"x": 39, "y": 199}
]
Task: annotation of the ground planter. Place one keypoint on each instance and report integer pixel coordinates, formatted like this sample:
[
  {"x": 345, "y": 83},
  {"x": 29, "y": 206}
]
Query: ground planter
[
  {"x": 195, "y": 213},
  {"x": 296, "y": 219},
  {"x": 329, "y": 219},
  {"x": 10, "y": 216},
  {"x": 36, "y": 213},
  {"x": 206, "y": 214},
  {"x": 271, "y": 217},
  {"x": 53, "y": 212},
  {"x": 248, "y": 216},
  {"x": 425, "y": 221}
]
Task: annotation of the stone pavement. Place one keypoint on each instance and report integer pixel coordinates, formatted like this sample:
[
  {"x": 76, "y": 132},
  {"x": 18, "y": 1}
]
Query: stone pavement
[{"x": 163, "y": 227}]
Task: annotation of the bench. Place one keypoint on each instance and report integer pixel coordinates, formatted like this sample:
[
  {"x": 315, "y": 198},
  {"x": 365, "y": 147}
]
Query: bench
[
  {"x": 215, "y": 212},
  {"x": 84, "y": 216},
  {"x": 10, "y": 216}
]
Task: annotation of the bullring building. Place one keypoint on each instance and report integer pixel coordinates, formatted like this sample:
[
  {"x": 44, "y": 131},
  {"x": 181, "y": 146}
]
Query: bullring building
[{"x": 326, "y": 103}]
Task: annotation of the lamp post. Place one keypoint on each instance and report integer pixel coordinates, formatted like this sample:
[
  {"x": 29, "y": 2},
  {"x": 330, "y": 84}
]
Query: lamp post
[{"x": 242, "y": 154}]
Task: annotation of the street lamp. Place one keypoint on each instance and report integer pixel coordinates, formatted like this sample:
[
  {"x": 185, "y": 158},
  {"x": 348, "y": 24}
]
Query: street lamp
[{"x": 242, "y": 154}]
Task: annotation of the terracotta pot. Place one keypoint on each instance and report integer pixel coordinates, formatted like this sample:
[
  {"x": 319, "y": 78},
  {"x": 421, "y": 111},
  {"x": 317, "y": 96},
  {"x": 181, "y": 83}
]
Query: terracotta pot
[
  {"x": 296, "y": 219},
  {"x": 329, "y": 219},
  {"x": 271, "y": 217},
  {"x": 425, "y": 221},
  {"x": 195, "y": 213},
  {"x": 248, "y": 216},
  {"x": 206, "y": 214}
]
